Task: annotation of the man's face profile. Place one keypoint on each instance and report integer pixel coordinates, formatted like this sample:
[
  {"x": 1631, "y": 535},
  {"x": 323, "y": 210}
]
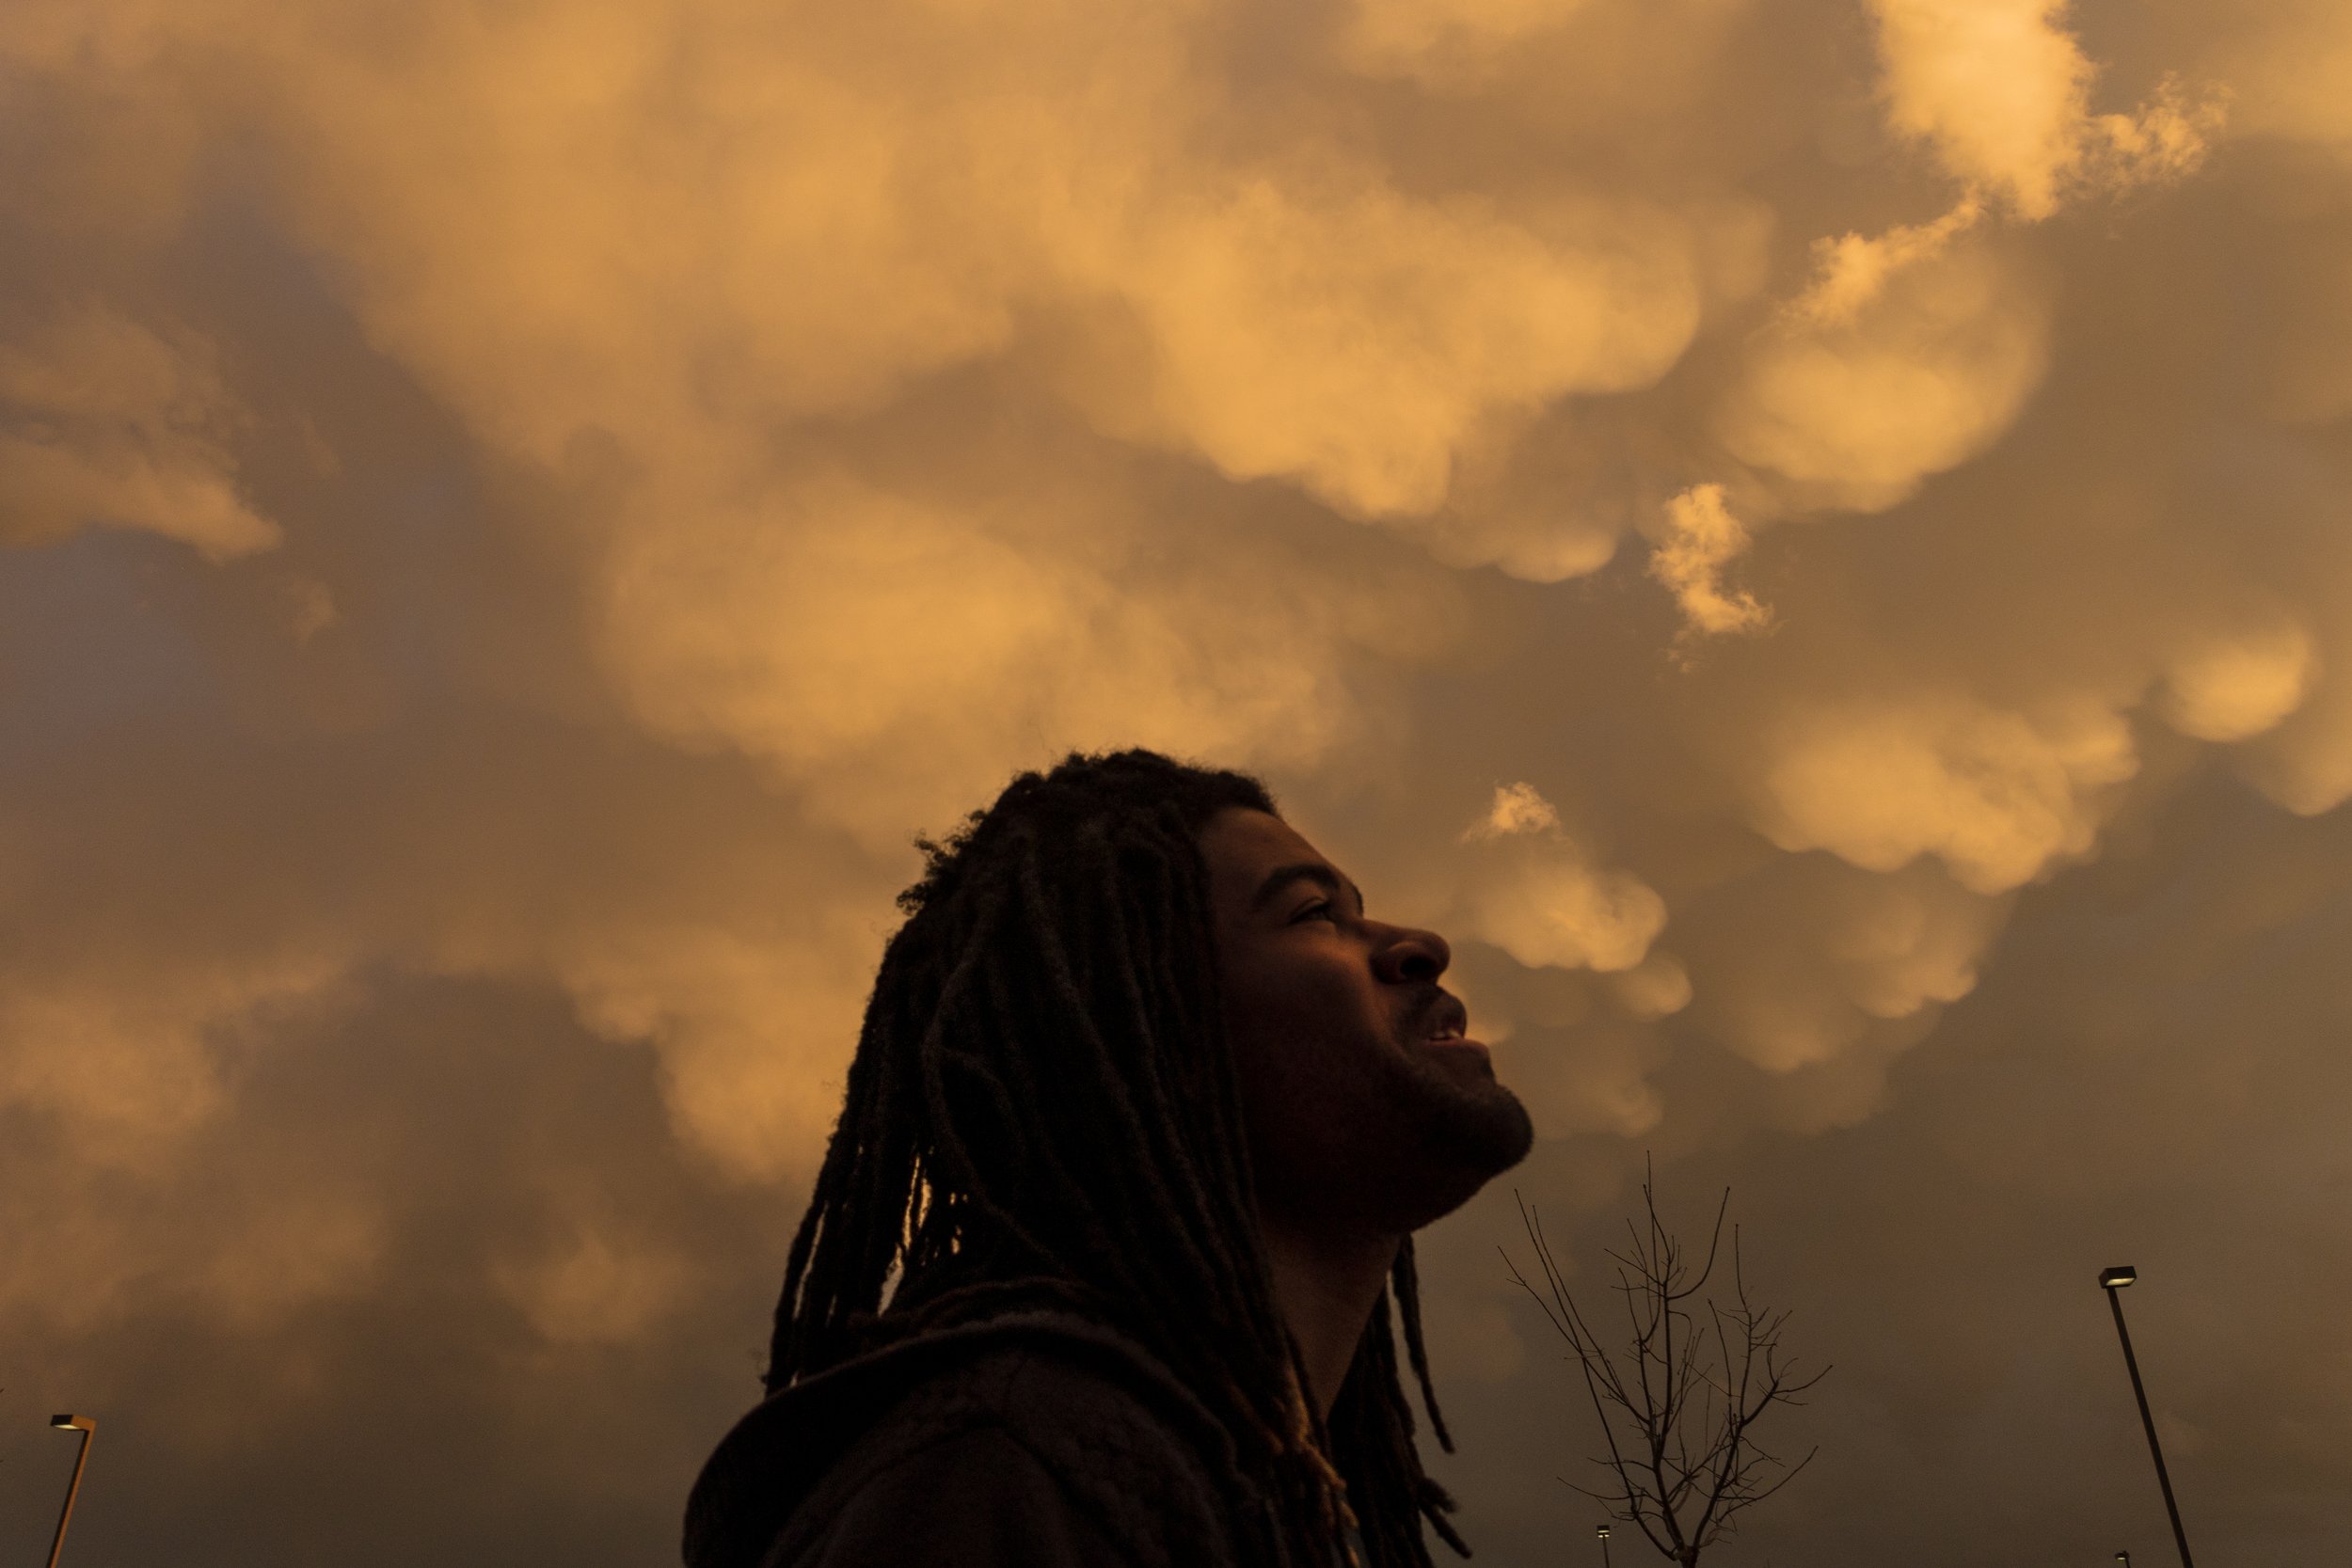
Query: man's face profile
[{"x": 1369, "y": 1109}]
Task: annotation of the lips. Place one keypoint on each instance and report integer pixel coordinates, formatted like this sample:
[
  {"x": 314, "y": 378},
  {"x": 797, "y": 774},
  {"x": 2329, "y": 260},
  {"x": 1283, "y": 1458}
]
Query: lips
[
  {"x": 1441, "y": 1028},
  {"x": 1447, "y": 1021}
]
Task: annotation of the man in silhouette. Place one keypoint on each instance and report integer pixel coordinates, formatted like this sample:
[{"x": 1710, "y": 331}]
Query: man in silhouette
[{"x": 1100, "y": 1263}]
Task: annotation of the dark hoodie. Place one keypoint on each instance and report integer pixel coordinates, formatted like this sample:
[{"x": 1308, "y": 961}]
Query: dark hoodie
[{"x": 1038, "y": 1439}]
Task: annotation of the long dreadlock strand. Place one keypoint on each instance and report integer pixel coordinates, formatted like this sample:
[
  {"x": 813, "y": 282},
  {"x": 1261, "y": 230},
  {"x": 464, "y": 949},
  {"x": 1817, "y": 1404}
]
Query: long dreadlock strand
[
  {"x": 1405, "y": 1279},
  {"x": 1332, "y": 1509},
  {"x": 1172, "y": 1184},
  {"x": 1373, "y": 1424}
]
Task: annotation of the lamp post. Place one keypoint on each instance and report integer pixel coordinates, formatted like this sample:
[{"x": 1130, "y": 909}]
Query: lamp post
[
  {"x": 88, "y": 1427},
  {"x": 2111, "y": 1281},
  {"x": 1601, "y": 1534}
]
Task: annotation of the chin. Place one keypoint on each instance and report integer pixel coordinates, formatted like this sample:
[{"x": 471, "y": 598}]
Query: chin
[
  {"x": 1502, "y": 1137},
  {"x": 1471, "y": 1136}
]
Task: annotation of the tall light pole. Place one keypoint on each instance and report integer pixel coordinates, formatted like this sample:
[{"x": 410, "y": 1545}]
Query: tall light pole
[
  {"x": 88, "y": 1427},
  {"x": 1601, "y": 1534},
  {"x": 2111, "y": 1281}
]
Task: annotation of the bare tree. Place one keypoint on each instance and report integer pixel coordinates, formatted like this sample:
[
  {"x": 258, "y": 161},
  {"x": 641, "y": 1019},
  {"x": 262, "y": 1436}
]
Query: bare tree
[{"x": 1678, "y": 1407}]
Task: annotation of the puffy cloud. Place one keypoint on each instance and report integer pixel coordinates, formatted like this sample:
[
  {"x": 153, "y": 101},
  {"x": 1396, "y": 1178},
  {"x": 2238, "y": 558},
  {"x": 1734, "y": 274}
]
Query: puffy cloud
[
  {"x": 2000, "y": 797},
  {"x": 1701, "y": 538},
  {"x": 1655, "y": 988},
  {"x": 1518, "y": 808},
  {"x": 2001, "y": 91},
  {"x": 2234, "y": 688},
  {"x": 1859, "y": 410},
  {"x": 1356, "y": 340},
  {"x": 1997, "y": 89},
  {"x": 1532, "y": 893},
  {"x": 755, "y": 1033},
  {"x": 898, "y": 658}
]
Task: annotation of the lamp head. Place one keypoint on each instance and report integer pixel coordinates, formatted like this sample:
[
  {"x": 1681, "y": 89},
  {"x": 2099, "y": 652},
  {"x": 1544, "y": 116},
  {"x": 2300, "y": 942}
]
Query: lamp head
[
  {"x": 2116, "y": 1278},
  {"x": 78, "y": 1423},
  {"x": 1602, "y": 1532}
]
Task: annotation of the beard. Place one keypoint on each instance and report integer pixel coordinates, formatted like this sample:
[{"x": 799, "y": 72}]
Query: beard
[{"x": 1432, "y": 1137}]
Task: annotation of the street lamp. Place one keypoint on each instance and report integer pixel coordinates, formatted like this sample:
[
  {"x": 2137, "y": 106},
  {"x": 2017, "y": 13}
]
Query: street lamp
[
  {"x": 1601, "y": 1534},
  {"x": 88, "y": 1427},
  {"x": 2124, "y": 1558},
  {"x": 2111, "y": 1281}
]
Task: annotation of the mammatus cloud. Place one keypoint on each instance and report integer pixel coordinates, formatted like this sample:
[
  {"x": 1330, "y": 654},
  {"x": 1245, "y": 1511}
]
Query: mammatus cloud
[
  {"x": 1914, "y": 348},
  {"x": 1999, "y": 797},
  {"x": 1858, "y": 404},
  {"x": 1534, "y": 896},
  {"x": 2236, "y": 687},
  {"x": 516, "y": 517},
  {"x": 1555, "y": 942}
]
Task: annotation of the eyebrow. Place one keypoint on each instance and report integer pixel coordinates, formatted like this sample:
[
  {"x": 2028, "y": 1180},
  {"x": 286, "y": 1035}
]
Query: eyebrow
[{"x": 1308, "y": 871}]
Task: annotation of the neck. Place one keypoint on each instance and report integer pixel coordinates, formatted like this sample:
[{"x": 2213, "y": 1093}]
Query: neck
[{"x": 1327, "y": 1287}]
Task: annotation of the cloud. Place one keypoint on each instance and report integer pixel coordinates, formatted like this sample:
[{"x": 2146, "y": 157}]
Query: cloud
[
  {"x": 516, "y": 517},
  {"x": 2234, "y": 688},
  {"x": 1852, "y": 270},
  {"x": 2000, "y": 797},
  {"x": 1356, "y": 340},
  {"x": 2288, "y": 60},
  {"x": 897, "y": 657},
  {"x": 1426, "y": 36},
  {"x": 2001, "y": 92},
  {"x": 1997, "y": 89},
  {"x": 102, "y": 422},
  {"x": 1532, "y": 894},
  {"x": 1858, "y": 411},
  {"x": 583, "y": 1292},
  {"x": 1701, "y": 538},
  {"x": 1518, "y": 809}
]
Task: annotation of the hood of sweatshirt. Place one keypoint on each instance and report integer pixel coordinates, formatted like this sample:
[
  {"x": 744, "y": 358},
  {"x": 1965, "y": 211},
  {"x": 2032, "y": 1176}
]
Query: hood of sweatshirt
[{"x": 773, "y": 1459}]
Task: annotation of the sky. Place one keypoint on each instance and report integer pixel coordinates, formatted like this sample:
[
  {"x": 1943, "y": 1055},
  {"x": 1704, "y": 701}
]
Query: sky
[{"x": 1811, "y": 539}]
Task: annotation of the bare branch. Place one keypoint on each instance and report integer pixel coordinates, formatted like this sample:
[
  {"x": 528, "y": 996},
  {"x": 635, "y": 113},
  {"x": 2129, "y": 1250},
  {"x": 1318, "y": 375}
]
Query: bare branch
[{"x": 1678, "y": 1405}]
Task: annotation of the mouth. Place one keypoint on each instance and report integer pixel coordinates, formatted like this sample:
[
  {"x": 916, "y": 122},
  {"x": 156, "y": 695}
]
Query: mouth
[{"x": 1447, "y": 1026}]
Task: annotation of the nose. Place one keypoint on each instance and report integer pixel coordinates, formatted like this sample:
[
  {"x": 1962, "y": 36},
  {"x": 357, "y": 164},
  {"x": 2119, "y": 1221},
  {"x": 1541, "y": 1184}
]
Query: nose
[{"x": 1410, "y": 956}]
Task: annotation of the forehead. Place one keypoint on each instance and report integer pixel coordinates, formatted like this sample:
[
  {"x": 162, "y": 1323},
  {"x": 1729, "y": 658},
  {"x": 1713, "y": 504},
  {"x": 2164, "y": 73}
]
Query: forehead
[{"x": 1242, "y": 845}]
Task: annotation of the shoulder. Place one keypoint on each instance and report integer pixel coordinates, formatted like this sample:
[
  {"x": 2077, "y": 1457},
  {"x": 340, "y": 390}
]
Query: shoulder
[
  {"x": 1043, "y": 1409},
  {"x": 1023, "y": 1454},
  {"x": 976, "y": 1497}
]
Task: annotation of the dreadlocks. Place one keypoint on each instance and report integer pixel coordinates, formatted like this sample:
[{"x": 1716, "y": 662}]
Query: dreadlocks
[{"x": 1042, "y": 1101}]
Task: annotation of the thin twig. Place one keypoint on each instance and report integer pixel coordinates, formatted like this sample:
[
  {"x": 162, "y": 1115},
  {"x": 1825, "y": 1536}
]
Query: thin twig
[{"x": 1678, "y": 1407}]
